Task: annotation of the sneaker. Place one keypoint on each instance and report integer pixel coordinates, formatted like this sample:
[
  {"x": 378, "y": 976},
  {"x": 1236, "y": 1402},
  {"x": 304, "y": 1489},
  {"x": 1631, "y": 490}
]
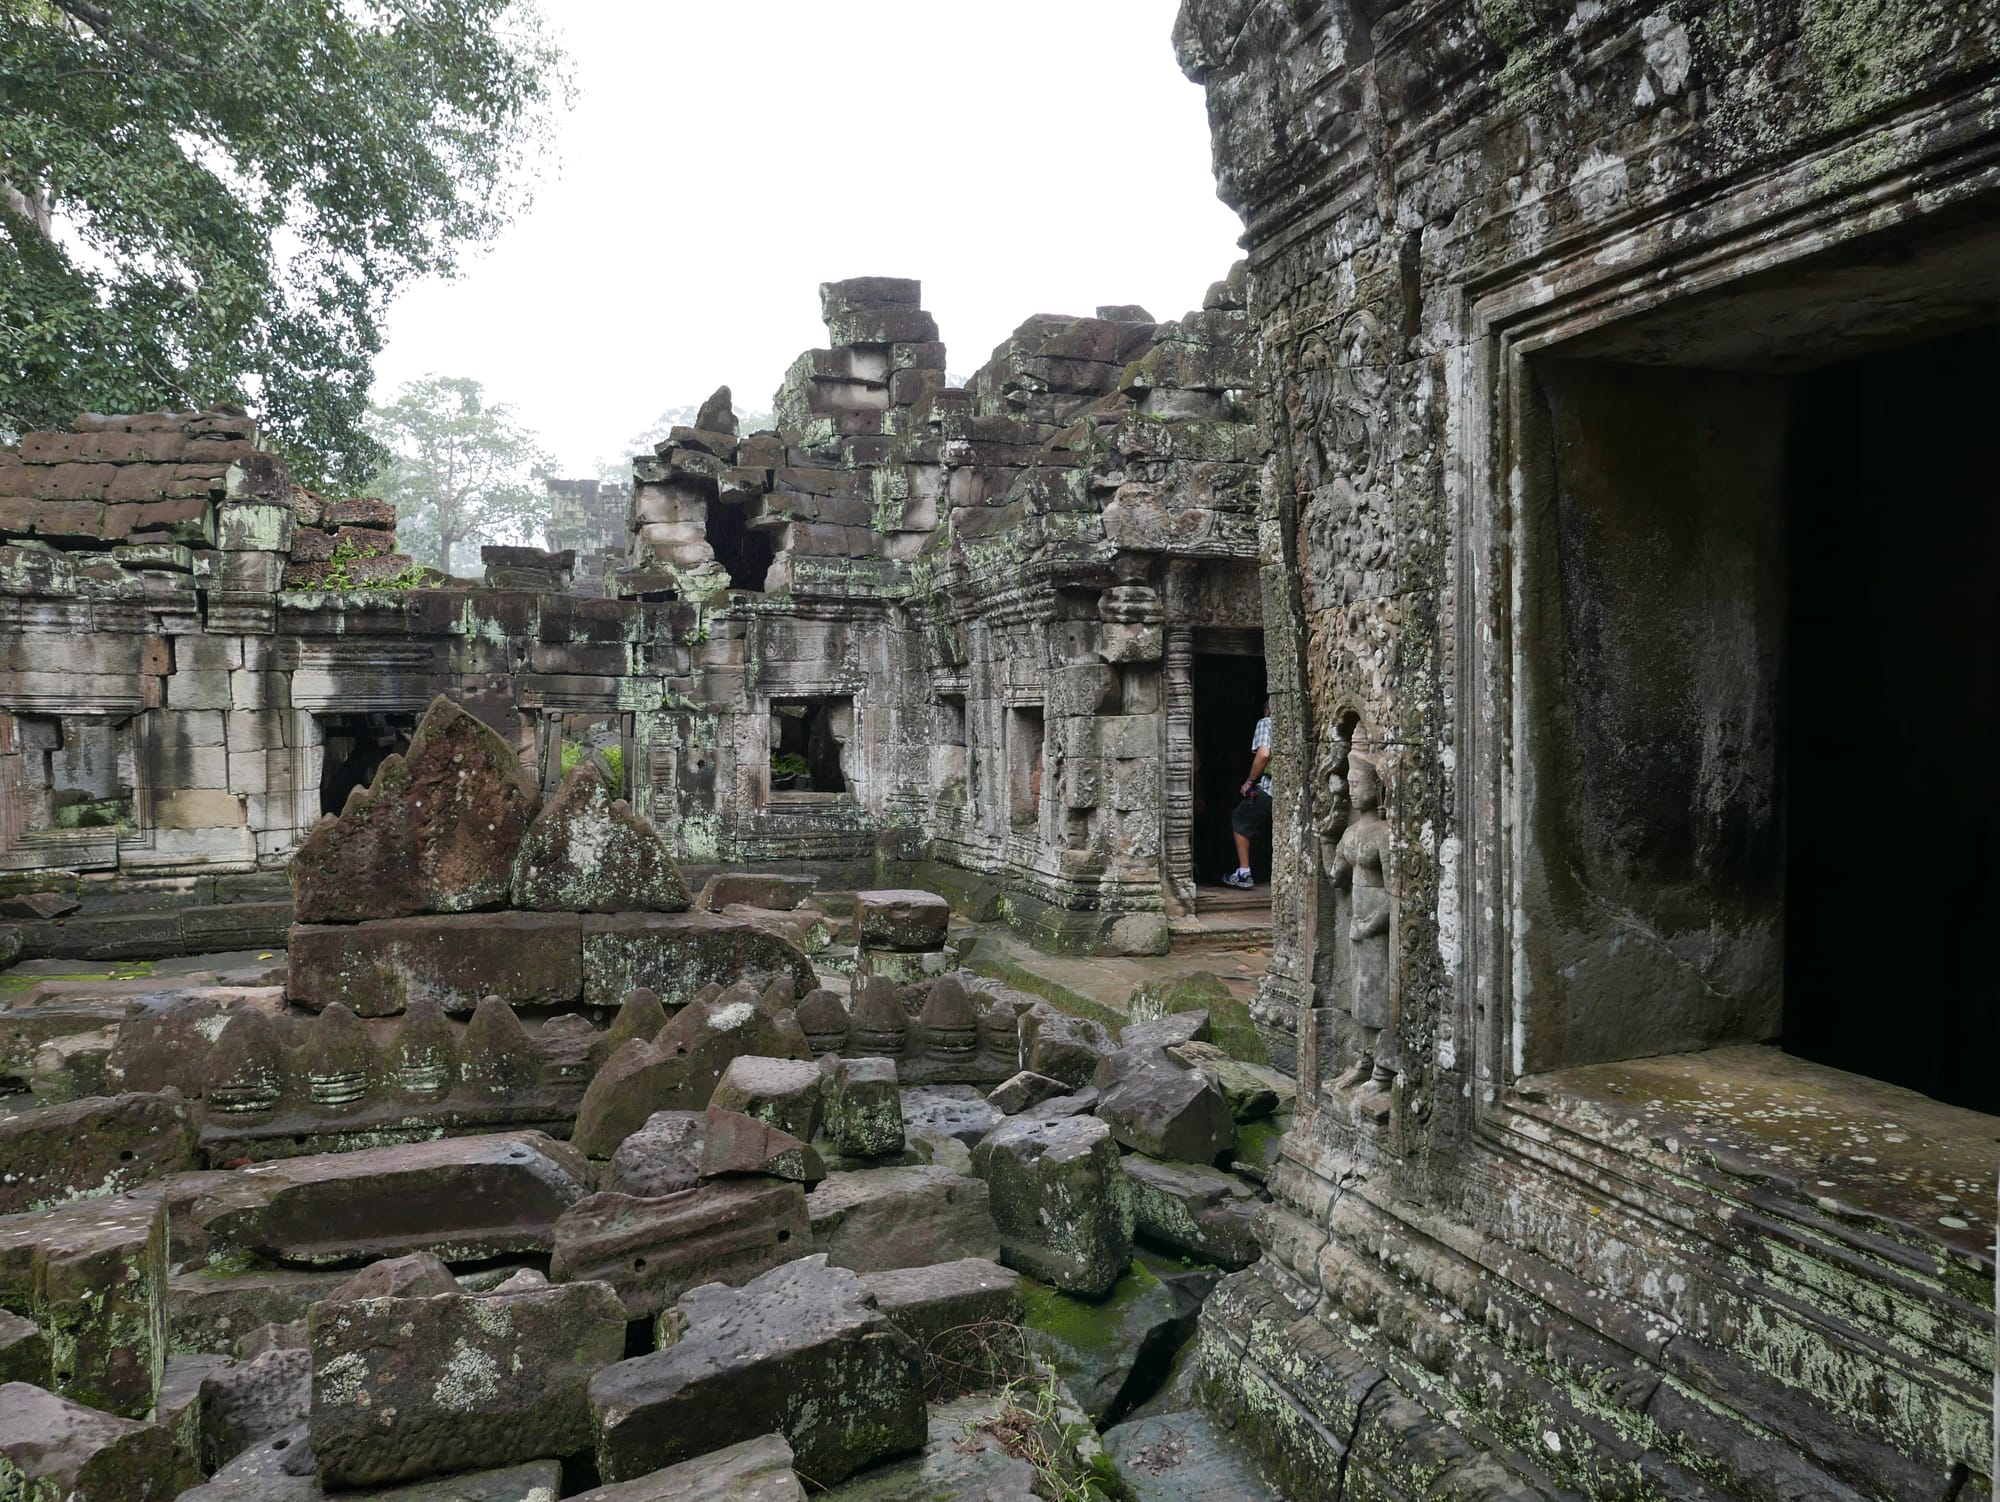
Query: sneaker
[{"x": 1239, "y": 879}]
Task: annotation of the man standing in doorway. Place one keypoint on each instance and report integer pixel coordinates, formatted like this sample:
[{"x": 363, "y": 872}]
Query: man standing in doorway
[{"x": 1252, "y": 817}]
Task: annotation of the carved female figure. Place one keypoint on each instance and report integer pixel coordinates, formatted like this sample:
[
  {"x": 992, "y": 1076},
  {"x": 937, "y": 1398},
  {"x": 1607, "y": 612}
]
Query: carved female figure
[{"x": 1359, "y": 862}]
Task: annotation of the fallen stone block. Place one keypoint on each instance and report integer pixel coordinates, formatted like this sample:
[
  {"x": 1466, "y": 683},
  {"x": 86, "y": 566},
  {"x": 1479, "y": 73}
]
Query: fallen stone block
[
  {"x": 212, "y": 1308},
  {"x": 786, "y": 1093},
  {"x": 679, "y": 953},
  {"x": 1253, "y": 1091},
  {"x": 1101, "y": 1346},
  {"x": 958, "y": 1112},
  {"x": 464, "y": 1198},
  {"x": 93, "y": 1277},
  {"x": 1156, "y": 1107},
  {"x": 245, "y": 1402},
  {"x": 378, "y": 969},
  {"x": 283, "y": 1469},
  {"x": 756, "y": 1470},
  {"x": 900, "y": 919},
  {"x": 177, "y": 1404},
  {"x": 878, "y": 1218},
  {"x": 679, "y": 1069},
  {"x": 1166, "y": 1032},
  {"x": 958, "y": 1314},
  {"x": 1060, "y": 1199},
  {"x": 732, "y": 1144},
  {"x": 436, "y": 832},
  {"x": 800, "y": 1351},
  {"x": 662, "y": 1157},
  {"x": 651, "y": 1251},
  {"x": 55, "y": 1450},
  {"x": 403, "y": 1388},
  {"x": 97, "y": 1146},
  {"x": 775, "y": 892},
  {"x": 587, "y": 852},
  {"x": 1193, "y": 1210},
  {"x": 24, "y": 1351},
  {"x": 1023, "y": 1090},
  {"x": 38, "y": 905},
  {"x": 864, "y": 1107},
  {"x": 1062, "y": 1047},
  {"x": 416, "y": 1276}
]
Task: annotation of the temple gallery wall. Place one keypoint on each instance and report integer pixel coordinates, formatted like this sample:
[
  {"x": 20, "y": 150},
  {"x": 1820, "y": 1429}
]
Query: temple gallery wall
[{"x": 1591, "y": 461}]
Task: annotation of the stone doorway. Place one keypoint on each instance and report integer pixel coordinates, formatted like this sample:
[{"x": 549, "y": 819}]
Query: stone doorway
[
  {"x": 354, "y": 746},
  {"x": 1228, "y": 698}
]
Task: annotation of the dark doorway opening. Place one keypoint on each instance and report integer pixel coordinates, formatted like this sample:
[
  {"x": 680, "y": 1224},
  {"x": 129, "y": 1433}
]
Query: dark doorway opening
[
  {"x": 746, "y": 551},
  {"x": 806, "y": 740},
  {"x": 353, "y": 748},
  {"x": 1229, "y": 694},
  {"x": 1893, "y": 699}
]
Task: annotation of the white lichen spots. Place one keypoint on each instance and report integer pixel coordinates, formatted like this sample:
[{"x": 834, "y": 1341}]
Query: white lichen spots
[
  {"x": 470, "y": 1380},
  {"x": 211, "y": 1027},
  {"x": 728, "y": 1018},
  {"x": 341, "y": 1381}
]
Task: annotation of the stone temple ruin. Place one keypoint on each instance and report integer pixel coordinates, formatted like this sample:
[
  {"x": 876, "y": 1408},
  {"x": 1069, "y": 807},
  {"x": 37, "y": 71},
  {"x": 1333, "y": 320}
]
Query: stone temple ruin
[{"x": 618, "y": 1098}]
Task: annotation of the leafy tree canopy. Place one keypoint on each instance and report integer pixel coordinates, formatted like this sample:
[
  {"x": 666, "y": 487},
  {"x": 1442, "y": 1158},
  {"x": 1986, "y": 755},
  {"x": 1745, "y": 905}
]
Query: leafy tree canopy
[
  {"x": 212, "y": 201},
  {"x": 461, "y": 470}
]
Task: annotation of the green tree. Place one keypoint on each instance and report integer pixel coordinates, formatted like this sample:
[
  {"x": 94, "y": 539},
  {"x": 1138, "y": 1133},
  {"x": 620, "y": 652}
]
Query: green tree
[
  {"x": 212, "y": 203},
  {"x": 460, "y": 469}
]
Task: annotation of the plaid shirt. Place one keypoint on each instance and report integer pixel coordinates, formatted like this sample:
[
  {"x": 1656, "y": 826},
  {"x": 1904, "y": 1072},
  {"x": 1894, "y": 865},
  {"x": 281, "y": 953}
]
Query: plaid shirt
[{"x": 1260, "y": 740}]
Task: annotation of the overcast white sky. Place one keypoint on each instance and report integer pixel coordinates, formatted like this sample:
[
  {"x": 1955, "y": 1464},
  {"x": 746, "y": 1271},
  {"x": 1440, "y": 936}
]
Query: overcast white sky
[{"x": 722, "y": 160}]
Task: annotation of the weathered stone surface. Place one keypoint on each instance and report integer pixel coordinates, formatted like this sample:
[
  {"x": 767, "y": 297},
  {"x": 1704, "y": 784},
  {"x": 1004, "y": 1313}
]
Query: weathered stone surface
[
  {"x": 282, "y": 1469},
  {"x": 1253, "y": 1091},
  {"x": 416, "y": 1276},
  {"x": 1165, "y": 1032},
  {"x": 435, "y": 832},
  {"x": 900, "y": 919},
  {"x": 1060, "y": 1046},
  {"x": 245, "y": 1402},
  {"x": 1157, "y": 1107},
  {"x": 412, "y": 1387},
  {"x": 771, "y": 890},
  {"x": 786, "y": 1093},
  {"x": 676, "y": 954},
  {"x": 732, "y": 1144},
  {"x": 877, "y": 1022},
  {"x": 959, "y": 1112},
  {"x": 93, "y": 1277},
  {"x": 1101, "y": 1348},
  {"x": 55, "y": 1450},
  {"x": 1194, "y": 1210},
  {"x": 463, "y": 1198},
  {"x": 85, "y": 1148},
  {"x": 1019, "y": 1092},
  {"x": 950, "y": 1310},
  {"x": 1060, "y": 1199},
  {"x": 662, "y": 1157},
  {"x": 652, "y": 1250},
  {"x": 587, "y": 852},
  {"x": 380, "y": 968},
  {"x": 212, "y": 1308},
  {"x": 1230, "y": 1025},
  {"x": 679, "y": 1069},
  {"x": 38, "y": 905},
  {"x": 24, "y": 1351},
  {"x": 864, "y": 1107},
  {"x": 800, "y": 1351},
  {"x": 753, "y": 1470},
  {"x": 822, "y": 1017},
  {"x": 871, "y": 1219}
]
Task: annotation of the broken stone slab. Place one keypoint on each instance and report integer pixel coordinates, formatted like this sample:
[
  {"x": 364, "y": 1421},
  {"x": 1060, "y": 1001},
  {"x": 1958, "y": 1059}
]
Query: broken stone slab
[
  {"x": 212, "y": 1308},
  {"x": 864, "y": 1107},
  {"x": 756, "y": 1470},
  {"x": 403, "y": 1388},
  {"x": 956, "y": 1313},
  {"x": 652, "y": 1250},
  {"x": 1102, "y": 1348},
  {"x": 662, "y": 1157},
  {"x": 96, "y": 1146},
  {"x": 1165, "y": 1032},
  {"x": 1193, "y": 1210},
  {"x": 1230, "y": 1025},
  {"x": 677, "y": 954},
  {"x": 1062, "y": 1047},
  {"x": 177, "y": 1404},
  {"x": 801, "y": 1351},
  {"x": 93, "y": 1276},
  {"x": 786, "y": 1093},
  {"x": 1024, "y": 1090},
  {"x": 24, "y": 1350},
  {"x": 53, "y": 1449},
  {"x": 1060, "y": 1199},
  {"x": 1157, "y": 1107},
  {"x": 380, "y": 968},
  {"x": 678, "y": 1069},
  {"x": 958, "y": 1112},
  {"x": 900, "y": 919},
  {"x": 463, "y": 1198},
  {"x": 282, "y": 1469},
  {"x": 587, "y": 852},
  {"x": 970, "y": 1452},
  {"x": 1253, "y": 1091},
  {"x": 436, "y": 832},
  {"x": 734, "y": 1144},
  {"x": 38, "y": 906},
  {"x": 416, "y": 1276},
  {"x": 246, "y": 1402},
  {"x": 775, "y": 892},
  {"x": 873, "y": 1219}
]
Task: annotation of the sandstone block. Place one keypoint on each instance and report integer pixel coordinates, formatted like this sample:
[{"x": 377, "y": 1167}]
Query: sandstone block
[
  {"x": 653, "y": 1250},
  {"x": 464, "y": 1198},
  {"x": 379, "y": 968},
  {"x": 800, "y": 1351},
  {"x": 436, "y": 832},
  {"x": 662, "y": 1157},
  {"x": 1098, "y": 1348},
  {"x": 777, "y": 892},
  {"x": 864, "y": 1107},
  {"x": 1253, "y": 1091},
  {"x": 245, "y": 1402},
  {"x": 872, "y": 1219},
  {"x": 411, "y": 1387},
  {"x": 732, "y": 1144},
  {"x": 1060, "y": 1199},
  {"x": 755, "y": 1470},
  {"x": 96, "y": 1146},
  {"x": 282, "y": 1469},
  {"x": 1060, "y": 1046},
  {"x": 1157, "y": 1107},
  {"x": 1194, "y": 1210},
  {"x": 945, "y": 1121},
  {"x": 900, "y": 919},
  {"x": 24, "y": 1351},
  {"x": 786, "y": 1093},
  {"x": 1025, "y": 1089},
  {"x": 56, "y": 1449},
  {"x": 416, "y": 1276},
  {"x": 587, "y": 852},
  {"x": 676, "y": 954},
  {"x": 947, "y": 1309}
]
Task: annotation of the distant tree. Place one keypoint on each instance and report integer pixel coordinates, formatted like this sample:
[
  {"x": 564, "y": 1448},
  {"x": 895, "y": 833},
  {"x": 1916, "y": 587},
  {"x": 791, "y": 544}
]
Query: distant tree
[
  {"x": 460, "y": 469},
  {"x": 616, "y": 468},
  {"x": 205, "y": 203}
]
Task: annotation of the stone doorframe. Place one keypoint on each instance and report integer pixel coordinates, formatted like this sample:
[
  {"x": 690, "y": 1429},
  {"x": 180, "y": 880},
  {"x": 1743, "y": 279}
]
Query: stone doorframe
[{"x": 1935, "y": 158}]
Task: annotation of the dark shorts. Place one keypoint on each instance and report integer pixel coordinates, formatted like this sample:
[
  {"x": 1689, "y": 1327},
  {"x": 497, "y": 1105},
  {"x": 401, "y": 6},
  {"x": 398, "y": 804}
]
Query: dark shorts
[{"x": 1252, "y": 816}]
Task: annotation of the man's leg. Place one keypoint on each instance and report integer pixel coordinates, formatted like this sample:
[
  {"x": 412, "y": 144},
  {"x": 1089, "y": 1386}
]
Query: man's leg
[
  {"x": 1242, "y": 850},
  {"x": 1242, "y": 822}
]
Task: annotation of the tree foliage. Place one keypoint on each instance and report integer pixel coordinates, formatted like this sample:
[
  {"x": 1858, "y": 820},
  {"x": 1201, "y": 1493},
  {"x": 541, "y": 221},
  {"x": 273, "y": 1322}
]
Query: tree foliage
[
  {"x": 461, "y": 470},
  {"x": 211, "y": 201}
]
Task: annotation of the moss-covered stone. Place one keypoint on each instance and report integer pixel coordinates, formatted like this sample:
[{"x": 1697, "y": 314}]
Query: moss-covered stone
[
  {"x": 1230, "y": 1026},
  {"x": 588, "y": 852}
]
